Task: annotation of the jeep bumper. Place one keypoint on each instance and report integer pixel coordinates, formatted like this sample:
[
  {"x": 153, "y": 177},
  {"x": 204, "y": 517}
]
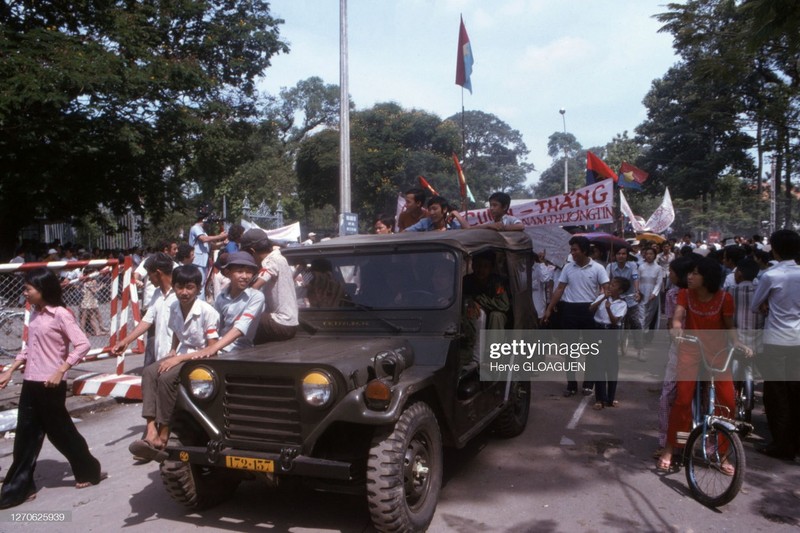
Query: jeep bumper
[{"x": 285, "y": 463}]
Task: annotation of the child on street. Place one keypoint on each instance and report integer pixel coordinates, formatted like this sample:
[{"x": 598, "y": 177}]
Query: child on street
[{"x": 609, "y": 313}]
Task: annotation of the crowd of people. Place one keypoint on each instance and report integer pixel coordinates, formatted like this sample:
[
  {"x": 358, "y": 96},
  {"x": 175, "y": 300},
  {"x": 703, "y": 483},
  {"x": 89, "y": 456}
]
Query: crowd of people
[
  {"x": 196, "y": 308},
  {"x": 741, "y": 295}
]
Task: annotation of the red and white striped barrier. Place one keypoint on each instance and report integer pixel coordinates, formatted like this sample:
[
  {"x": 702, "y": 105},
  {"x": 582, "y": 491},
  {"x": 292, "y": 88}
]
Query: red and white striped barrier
[{"x": 117, "y": 385}]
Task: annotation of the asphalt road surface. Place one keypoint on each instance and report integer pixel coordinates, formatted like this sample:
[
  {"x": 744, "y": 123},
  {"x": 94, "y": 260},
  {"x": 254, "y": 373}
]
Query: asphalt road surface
[{"x": 574, "y": 469}]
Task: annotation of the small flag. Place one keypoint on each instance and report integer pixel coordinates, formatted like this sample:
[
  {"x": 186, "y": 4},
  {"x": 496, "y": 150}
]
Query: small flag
[
  {"x": 464, "y": 60},
  {"x": 628, "y": 212},
  {"x": 597, "y": 170},
  {"x": 462, "y": 181},
  {"x": 631, "y": 177},
  {"x": 425, "y": 185},
  {"x": 400, "y": 207}
]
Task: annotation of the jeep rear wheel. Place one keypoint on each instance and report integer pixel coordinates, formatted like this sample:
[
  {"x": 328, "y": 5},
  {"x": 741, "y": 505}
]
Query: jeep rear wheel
[
  {"x": 198, "y": 487},
  {"x": 404, "y": 472},
  {"x": 512, "y": 421}
]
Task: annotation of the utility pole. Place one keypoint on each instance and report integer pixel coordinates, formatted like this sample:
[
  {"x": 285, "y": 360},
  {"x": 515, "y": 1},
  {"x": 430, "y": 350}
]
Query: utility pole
[
  {"x": 344, "y": 118},
  {"x": 566, "y": 175}
]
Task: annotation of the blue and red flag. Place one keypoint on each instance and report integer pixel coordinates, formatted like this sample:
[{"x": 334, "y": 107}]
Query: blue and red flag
[
  {"x": 596, "y": 170},
  {"x": 631, "y": 177},
  {"x": 465, "y": 60}
]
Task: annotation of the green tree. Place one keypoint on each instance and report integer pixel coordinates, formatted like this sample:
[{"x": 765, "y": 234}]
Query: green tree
[
  {"x": 551, "y": 181},
  {"x": 105, "y": 103},
  {"x": 495, "y": 156},
  {"x": 742, "y": 61}
]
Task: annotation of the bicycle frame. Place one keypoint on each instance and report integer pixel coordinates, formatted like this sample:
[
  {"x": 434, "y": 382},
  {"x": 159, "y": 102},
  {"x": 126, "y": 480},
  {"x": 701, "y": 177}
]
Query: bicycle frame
[{"x": 707, "y": 417}]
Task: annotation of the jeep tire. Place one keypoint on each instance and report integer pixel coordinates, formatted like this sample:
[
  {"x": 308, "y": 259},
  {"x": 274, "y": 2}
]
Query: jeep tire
[
  {"x": 198, "y": 487},
  {"x": 404, "y": 472},
  {"x": 514, "y": 417}
]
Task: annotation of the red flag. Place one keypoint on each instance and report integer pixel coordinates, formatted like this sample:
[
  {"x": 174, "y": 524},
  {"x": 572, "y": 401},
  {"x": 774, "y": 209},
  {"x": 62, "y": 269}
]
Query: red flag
[
  {"x": 597, "y": 170},
  {"x": 462, "y": 181},
  {"x": 424, "y": 183},
  {"x": 464, "y": 60},
  {"x": 633, "y": 173}
]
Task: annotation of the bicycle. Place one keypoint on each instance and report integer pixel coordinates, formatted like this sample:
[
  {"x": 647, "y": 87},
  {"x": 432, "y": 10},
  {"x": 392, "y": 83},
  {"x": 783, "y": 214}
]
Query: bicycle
[
  {"x": 12, "y": 324},
  {"x": 744, "y": 386},
  {"x": 713, "y": 455}
]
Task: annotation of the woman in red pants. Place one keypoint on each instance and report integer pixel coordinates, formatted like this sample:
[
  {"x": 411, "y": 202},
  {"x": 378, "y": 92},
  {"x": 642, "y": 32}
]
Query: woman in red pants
[{"x": 708, "y": 314}]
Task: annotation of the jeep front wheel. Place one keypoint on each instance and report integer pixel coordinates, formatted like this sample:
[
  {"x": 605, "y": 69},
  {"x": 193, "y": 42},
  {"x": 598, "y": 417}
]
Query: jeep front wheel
[
  {"x": 198, "y": 487},
  {"x": 404, "y": 472}
]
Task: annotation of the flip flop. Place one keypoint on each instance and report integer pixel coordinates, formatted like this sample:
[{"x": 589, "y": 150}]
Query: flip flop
[
  {"x": 85, "y": 484},
  {"x": 144, "y": 450}
]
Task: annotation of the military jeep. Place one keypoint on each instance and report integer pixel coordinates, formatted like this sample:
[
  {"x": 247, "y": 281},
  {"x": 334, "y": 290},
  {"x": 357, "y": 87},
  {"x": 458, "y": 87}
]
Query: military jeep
[{"x": 378, "y": 379}]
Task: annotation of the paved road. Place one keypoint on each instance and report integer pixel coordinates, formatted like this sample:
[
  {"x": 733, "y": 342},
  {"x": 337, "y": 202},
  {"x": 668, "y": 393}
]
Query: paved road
[{"x": 574, "y": 469}]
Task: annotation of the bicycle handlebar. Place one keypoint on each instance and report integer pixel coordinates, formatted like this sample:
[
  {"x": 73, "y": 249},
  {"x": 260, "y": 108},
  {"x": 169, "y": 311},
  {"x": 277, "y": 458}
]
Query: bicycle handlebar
[{"x": 696, "y": 340}]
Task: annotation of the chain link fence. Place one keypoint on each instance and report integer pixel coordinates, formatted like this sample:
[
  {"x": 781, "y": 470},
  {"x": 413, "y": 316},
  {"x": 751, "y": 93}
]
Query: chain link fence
[{"x": 88, "y": 291}]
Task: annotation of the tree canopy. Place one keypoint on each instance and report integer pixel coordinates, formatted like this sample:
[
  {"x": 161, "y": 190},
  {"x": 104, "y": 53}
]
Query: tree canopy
[{"x": 107, "y": 102}]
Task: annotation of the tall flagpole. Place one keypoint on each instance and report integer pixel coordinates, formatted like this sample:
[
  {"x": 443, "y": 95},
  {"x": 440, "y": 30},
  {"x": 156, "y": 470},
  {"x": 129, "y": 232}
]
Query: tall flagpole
[{"x": 344, "y": 115}]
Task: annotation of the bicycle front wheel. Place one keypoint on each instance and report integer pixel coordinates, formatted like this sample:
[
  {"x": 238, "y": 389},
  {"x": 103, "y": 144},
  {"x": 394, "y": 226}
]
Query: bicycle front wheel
[
  {"x": 715, "y": 464},
  {"x": 11, "y": 333}
]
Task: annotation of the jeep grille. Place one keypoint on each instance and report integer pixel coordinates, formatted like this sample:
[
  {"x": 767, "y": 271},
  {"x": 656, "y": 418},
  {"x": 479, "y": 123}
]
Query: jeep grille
[{"x": 261, "y": 410}]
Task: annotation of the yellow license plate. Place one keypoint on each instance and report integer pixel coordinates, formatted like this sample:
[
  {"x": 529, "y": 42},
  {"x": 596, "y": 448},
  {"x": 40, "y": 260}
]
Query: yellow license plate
[{"x": 249, "y": 463}]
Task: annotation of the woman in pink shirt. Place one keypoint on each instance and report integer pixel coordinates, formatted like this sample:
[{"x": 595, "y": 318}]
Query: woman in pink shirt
[{"x": 42, "y": 410}]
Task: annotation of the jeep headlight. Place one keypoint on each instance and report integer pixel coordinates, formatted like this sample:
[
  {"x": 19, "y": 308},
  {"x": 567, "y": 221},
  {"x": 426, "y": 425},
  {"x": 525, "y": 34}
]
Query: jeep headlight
[
  {"x": 202, "y": 383},
  {"x": 317, "y": 388}
]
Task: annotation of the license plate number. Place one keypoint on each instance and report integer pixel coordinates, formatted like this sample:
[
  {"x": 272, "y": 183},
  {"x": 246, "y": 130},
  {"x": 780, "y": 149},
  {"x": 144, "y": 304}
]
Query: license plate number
[{"x": 249, "y": 463}]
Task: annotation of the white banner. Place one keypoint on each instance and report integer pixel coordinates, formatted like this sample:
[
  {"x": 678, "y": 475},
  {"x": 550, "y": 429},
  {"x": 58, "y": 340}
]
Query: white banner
[
  {"x": 638, "y": 227},
  {"x": 290, "y": 233},
  {"x": 553, "y": 241},
  {"x": 586, "y": 206},
  {"x": 663, "y": 216}
]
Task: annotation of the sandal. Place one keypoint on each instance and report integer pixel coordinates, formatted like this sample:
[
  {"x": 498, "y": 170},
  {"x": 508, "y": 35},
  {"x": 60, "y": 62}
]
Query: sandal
[
  {"x": 145, "y": 450},
  {"x": 727, "y": 469},
  {"x": 85, "y": 484},
  {"x": 664, "y": 464},
  {"x": 598, "y": 406},
  {"x": 615, "y": 403}
]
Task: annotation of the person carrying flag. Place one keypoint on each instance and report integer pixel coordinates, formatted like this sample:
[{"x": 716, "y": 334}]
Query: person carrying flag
[{"x": 441, "y": 217}]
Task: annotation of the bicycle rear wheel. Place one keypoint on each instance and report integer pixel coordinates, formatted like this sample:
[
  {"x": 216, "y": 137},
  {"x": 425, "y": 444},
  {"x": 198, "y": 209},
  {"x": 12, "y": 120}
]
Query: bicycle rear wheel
[
  {"x": 709, "y": 454},
  {"x": 11, "y": 327},
  {"x": 745, "y": 401}
]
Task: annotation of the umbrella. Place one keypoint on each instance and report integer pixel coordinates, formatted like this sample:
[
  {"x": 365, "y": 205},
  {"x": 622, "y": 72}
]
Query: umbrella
[
  {"x": 652, "y": 237},
  {"x": 605, "y": 240}
]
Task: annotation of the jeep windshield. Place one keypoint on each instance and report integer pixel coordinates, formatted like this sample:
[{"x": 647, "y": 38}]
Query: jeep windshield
[{"x": 376, "y": 281}]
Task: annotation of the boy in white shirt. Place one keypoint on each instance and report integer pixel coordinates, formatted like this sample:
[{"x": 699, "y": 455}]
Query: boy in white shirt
[
  {"x": 609, "y": 313},
  {"x": 156, "y": 320},
  {"x": 194, "y": 325}
]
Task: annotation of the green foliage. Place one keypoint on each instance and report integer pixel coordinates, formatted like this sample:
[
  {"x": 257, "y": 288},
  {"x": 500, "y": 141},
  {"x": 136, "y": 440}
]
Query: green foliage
[
  {"x": 109, "y": 102},
  {"x": 495, "y": 156}
]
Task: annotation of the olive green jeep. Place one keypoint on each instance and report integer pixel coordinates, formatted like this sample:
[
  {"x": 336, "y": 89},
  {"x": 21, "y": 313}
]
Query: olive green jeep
[{"x": 380, "y": 377}]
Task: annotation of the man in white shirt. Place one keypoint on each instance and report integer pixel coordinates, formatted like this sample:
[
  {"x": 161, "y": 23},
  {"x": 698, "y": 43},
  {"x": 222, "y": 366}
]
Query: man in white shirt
[
  {"x": 581, "y": 281},
  {"x": 276, "y": 280},
  {"x": 780, "y": 363}
]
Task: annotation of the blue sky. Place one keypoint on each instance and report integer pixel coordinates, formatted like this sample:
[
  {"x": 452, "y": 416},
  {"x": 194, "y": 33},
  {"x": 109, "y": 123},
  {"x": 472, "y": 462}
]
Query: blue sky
[{"x": 595, "y": 58}]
